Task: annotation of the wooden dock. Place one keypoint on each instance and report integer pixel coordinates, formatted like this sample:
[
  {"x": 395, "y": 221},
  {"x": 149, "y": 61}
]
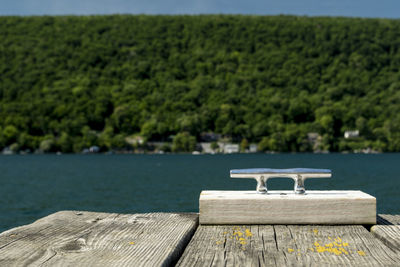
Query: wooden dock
[{"x": 81, "y": 238}]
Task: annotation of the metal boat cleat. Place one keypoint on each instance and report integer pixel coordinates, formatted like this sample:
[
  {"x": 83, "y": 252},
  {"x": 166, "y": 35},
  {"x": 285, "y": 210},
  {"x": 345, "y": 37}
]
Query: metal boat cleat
[{"x": 297, "y": 174}]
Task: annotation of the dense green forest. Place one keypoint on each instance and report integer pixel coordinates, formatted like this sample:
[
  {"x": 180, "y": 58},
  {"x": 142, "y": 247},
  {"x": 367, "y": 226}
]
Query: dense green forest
[{"x": 69, "y": 82}]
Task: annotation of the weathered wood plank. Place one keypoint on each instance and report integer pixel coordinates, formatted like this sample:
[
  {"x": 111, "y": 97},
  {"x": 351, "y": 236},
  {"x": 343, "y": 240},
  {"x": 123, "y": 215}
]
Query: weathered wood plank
[
  {"x": 388, "y": 230},
  {"x": 286, "y": 207},
  {"x": 71, "y": 238},
  {"x": 282, "y": 245}
]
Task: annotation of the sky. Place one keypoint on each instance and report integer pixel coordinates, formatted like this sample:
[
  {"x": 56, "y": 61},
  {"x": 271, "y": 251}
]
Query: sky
[{"x": 347, "y": 8}]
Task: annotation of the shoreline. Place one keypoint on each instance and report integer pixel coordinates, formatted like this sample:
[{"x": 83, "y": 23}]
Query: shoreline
[{"x": 194, "y": 154}]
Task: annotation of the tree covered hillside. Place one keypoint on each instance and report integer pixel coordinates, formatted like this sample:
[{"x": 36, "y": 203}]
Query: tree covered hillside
[{"x": 67, "y": 83}]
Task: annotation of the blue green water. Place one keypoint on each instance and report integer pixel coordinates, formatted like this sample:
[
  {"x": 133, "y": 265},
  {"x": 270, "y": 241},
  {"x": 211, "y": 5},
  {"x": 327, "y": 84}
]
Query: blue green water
[{"x": 33, "y": 186}]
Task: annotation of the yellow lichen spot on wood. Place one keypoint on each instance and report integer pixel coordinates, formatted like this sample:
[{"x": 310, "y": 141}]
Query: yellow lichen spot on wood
[
  {"x": 290, "y": 250},
  {"x": 361, "y": 253},
  {"x": 243, "y": 242},
  {"x": 131, "y": 243},
  {"x": 311, "y": 249},
  {"x": 333, "y": 247},
  {"x": 344, "y": 251},
  {"x": 329, "y": 238},
  {"x": 242, "y": 239},
  {"x": 248, "y": 233},
  {"x": 225, "y": 233},
  {"x": 337, "y": 244},
  {"x": 219, "y": 242},
  {"x": 315, "y": 231},
  {"x": 345, "y": 244},
  {"x": 239, "y": 233},
  {"x": 336, "y": 251}
]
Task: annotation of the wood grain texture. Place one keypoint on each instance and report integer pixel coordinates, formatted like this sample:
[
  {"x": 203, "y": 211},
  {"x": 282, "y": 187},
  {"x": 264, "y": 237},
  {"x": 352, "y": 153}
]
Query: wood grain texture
[
  {"x": 388, "y": 230},
  {"x": 285, "y": 207},
  {"x": 286, "y": 245},
  {"x": 71, "y": 238}
]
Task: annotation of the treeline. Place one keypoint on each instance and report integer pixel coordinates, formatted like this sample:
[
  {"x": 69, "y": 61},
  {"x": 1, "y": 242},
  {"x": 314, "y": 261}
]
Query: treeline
[{"x": 67, "y": 83}]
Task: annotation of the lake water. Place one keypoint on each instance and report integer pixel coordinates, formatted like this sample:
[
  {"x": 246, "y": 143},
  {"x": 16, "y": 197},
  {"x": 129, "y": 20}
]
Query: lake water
[{"x": 33, "y": 186}]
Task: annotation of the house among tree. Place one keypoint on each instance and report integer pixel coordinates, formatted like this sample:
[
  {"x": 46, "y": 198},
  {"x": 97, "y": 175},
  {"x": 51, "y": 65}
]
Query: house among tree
[
  {"x": 351, "y": 134},
  {"x": 253, "y": 148},
  {"x": 231, "y": 148},
  {"x": 135, "y": 140},
  {"x": 314, "y": 139}
]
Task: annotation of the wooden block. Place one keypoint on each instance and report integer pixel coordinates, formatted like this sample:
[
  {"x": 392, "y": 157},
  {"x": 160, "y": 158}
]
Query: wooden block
[
  {"x": 285, "y": 207},
  {"x": 388, "y": 230},
  {"x": 71, "y": 238},
  {"x": 286, "y": 245}
]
